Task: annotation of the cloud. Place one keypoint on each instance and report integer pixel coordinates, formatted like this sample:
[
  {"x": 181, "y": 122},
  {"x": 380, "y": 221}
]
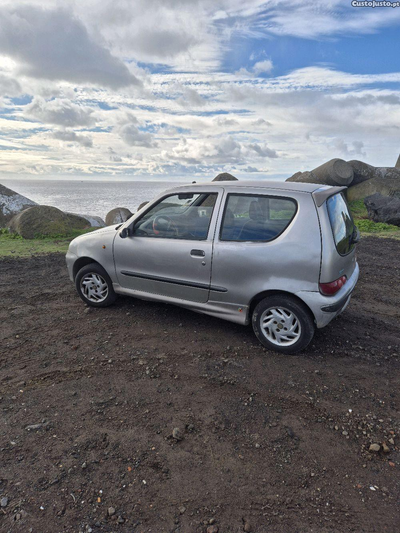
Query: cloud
[
  {"x": 190, "y": 98},
  {"x": 9, "y": 86},
  {"x": 132, "y": 136},
  {"x": 61, "y": 112},
  {"x": 263, "y": 67},
  {"x": 52, "y": 44},
  {"x": 71, "y": 136},
  {"x": 355, "y": 148}
]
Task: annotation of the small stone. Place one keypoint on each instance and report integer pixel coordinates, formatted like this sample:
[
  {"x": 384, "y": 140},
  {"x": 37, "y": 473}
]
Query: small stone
[
  {"x": 391, "y": 441},
  {"x": 177, "y": 434},
  {"x": 120, "y": 520},
  {"x": 87, "y": 310},
  {"x": 345, "y": 433},
  {"x": 385, "y": 448},
  {"x": 247, "y": 527},
  {"x": 212, "y": 529},
  {"x": 111, "y": 511},
  {"x": 211, "y": 521},
  {"x": 182, "y": 509},
  {"x": 374, "y": 448},
  {"x": 4, "y": 502},
  {"x": 18, "y": 516},
  {"x": 84, "y": 465},
  {"x": 34, "y": 427}
]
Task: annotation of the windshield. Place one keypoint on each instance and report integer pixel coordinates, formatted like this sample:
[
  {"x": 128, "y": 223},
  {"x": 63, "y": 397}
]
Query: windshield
[{"x": 341, "y": 222}]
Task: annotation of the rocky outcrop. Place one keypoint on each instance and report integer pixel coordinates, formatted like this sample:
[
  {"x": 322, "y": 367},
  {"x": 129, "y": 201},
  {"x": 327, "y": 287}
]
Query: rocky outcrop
[
  {"x": 225, "y": 176},
  {"x": 383, "y": 208},
  {"x": 333, "y": 172},
  {"x": 117, "y": 216},
  {"x": 362, "y": 171},
  {"x": 142, "y": 205},
  {"x": 397, "y": 165},
  {"x": 387, "y": 186},
  {"x": 45, "y": 220},
  {"x": 95, "y": 222},
  {"x": 11, "y": 203}
]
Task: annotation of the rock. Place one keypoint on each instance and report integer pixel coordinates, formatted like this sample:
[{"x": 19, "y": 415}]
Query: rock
[
  {"x": 111, "y": 511},
  {"x": 177, "y": 434},
  {"x": 385, "y": 448},
  {"x": 4, "y": 501},
  {"x": 383, "y": 208},
  {"x": 94, "y": 221},
  {"x": 45, "y": 220},
  {"x": 120, "y": 520},
  {"x": 117, "y": 216},
  {"x": 212, "y": 529},
  {"x": 387, "y": 185},
  {"x": 84, "y": 465},
  {"x": 12, "y": 203},
  {"x": 362, "y": 171},
  {"x": 182, "y": 509},
  {"x": 142, "y": 205},
  {"x": 397, "y": 165},
  {"x": 334, "y": 172},
  {"x": 34, "y": 427},
  {"x": 247, "y": 526},
  {"x": 391, "y": 441},
  {"x": 374, "y": 448},
  {"x": 225, "y": 176},
  {"x": 303, "y": 177}
]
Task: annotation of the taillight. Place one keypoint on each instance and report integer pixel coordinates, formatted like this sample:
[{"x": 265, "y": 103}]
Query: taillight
[{"x": 333, "y": 287}]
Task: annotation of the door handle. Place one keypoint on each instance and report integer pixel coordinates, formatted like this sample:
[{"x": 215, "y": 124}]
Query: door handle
[{"x": 197, "y": 253}]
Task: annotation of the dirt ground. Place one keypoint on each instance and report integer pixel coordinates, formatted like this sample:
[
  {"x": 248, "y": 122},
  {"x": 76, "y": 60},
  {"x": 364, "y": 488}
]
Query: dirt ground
[{"x": 269, "y": 443}]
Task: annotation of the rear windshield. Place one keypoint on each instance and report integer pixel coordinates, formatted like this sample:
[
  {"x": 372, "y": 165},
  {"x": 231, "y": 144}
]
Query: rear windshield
[{"x": 341, "y": 222}]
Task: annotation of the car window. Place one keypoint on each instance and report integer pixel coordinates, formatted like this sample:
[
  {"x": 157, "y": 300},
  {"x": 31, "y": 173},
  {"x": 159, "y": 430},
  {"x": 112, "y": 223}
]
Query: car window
[
  {"x": 256, "y": 217},
  {"x": 179, "y": 216},
  {"x": 342, "y": 223}
]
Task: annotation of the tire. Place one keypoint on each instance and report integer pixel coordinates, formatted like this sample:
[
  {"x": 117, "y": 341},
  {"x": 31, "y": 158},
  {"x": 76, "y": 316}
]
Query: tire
[
  {"x": 278, "y": 314},
  {"x": 93, "y": 275}
]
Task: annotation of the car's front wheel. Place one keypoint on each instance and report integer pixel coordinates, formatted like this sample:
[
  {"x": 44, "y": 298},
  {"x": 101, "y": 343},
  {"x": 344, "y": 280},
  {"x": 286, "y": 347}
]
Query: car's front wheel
[
  {"x": 94, "y": 286},
  {"x": 283, "y": 324}
]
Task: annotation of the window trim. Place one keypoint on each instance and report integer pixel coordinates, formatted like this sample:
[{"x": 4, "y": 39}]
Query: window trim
[
  {"x": 352, "y": 246},
  {"x": 290, "y": 198},
  {"x": 137, "y": 220}
]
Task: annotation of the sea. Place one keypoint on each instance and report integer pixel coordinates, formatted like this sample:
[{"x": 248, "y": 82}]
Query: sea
[{"x": 89, "y": 197}]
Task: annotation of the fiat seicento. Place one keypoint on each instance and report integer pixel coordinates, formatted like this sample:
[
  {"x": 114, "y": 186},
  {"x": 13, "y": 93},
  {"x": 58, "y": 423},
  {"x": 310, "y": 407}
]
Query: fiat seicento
[{"x": 280, "y": 255}]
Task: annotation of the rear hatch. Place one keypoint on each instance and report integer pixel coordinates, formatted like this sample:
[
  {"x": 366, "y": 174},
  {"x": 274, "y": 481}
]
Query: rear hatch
[{"x": 339, "y": 236}]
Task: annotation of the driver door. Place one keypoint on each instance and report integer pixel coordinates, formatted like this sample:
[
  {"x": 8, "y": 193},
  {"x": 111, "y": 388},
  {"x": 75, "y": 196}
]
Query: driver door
[{"x": 170, "y": 249}]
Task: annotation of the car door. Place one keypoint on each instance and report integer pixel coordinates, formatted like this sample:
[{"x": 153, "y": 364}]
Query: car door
[{"x": 169, "y": 250}]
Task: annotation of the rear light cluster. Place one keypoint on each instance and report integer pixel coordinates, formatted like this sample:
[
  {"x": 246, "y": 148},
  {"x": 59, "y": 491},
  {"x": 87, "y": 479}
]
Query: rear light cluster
[{"x": 333, "y": 287}]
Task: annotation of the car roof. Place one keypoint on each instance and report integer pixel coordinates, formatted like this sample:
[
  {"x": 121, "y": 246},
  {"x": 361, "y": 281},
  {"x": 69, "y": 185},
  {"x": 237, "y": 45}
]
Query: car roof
[{"x": 261, "y": 184}]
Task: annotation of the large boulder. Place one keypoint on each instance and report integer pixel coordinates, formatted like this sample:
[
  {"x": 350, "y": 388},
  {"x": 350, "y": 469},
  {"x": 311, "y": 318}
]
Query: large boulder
[
  {"x": 94, "y": 221},
  {"x": 117, "y": 216},
  {"x": 11, "y": 203},
  {"x": 387, "y": 186},
  {"x": 142, "y": 205},
  {"x": 225, "y": 176},
  {"x": 45, "y": 220},
  {"x": 333, "y": 172},
  {"x": 383, "y": 208},
  {"x": 362, "y": 171}
]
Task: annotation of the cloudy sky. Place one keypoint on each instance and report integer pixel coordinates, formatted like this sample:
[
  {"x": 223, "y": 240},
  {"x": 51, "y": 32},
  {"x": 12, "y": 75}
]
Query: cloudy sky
[{"x": 162, "y": 89}]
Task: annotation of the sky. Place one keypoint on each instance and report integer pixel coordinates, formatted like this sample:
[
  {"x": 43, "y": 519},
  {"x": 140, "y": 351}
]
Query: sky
[{"x": 172, "y": 89}]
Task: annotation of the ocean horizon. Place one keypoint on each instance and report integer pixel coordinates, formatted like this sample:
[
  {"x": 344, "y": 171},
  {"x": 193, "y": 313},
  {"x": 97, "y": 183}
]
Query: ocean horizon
[{"x": 89, "y": 197}]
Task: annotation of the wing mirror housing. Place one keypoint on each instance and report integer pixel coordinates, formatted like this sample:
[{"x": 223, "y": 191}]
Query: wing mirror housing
[{"x": 125, "y": 232}]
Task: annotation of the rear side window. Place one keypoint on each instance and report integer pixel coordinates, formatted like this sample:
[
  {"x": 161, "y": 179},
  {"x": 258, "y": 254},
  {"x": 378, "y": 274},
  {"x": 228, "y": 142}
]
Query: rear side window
[
  {"x": 256, "y": 217},
  {"x": 341, "y": 222}
]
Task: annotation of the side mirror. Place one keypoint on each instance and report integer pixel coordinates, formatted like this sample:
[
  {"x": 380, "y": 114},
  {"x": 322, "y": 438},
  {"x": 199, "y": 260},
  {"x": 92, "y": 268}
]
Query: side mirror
[{"x": 124, "y": 233}]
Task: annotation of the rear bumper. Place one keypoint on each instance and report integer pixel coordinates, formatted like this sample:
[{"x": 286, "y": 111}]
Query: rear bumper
[{"x": 326, "y": 308}]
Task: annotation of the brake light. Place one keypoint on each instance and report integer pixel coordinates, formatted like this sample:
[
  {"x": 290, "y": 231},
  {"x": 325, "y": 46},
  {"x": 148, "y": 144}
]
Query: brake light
[{"x": 333, "y": 287}]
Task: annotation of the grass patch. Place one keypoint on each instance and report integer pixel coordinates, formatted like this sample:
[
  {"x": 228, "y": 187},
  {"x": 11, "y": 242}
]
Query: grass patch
[
  {"x": 13, "y": 245},
  {"x": 369, "y": 227}
]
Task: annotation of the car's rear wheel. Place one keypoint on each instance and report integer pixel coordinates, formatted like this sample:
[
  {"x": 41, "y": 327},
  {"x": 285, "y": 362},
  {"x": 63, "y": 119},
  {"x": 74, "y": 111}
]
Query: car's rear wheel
[
  {"x": 94, "y": 286},
  {"x": 283, "y": 324}
]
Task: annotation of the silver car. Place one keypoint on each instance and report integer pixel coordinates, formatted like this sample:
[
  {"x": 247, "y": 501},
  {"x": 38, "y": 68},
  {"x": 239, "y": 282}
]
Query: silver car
[{"x": 280, "y": 255}]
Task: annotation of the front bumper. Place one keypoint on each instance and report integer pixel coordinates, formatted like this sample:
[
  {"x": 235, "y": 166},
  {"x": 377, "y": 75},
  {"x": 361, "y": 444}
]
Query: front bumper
[
  {"x": 326, "y": 308},
  {"x": 70, "y": 259}
]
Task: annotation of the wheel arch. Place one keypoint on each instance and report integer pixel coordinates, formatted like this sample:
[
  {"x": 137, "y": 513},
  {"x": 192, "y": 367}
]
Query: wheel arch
[
  {"x": 264, "y": 294},
  {"x": 81, "y": 262}
]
